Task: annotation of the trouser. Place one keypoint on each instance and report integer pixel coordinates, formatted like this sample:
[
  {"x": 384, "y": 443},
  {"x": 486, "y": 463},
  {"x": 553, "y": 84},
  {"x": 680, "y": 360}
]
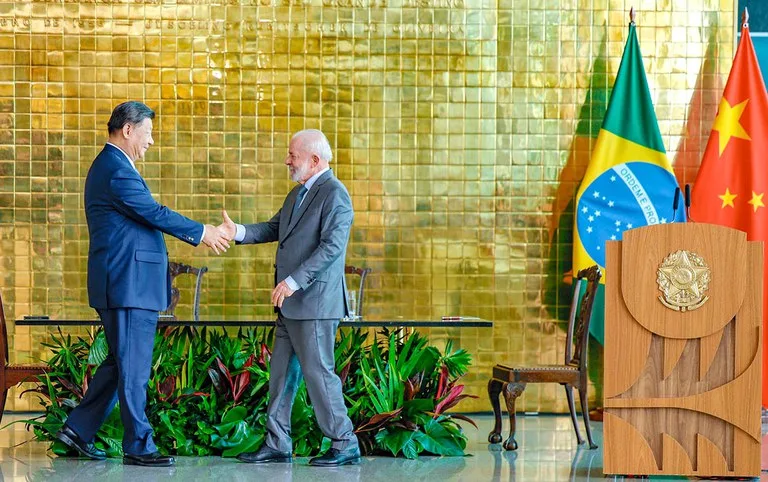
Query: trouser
[
  {"x": 305, "y": 348},
  {"x": 123, "y": 376}
]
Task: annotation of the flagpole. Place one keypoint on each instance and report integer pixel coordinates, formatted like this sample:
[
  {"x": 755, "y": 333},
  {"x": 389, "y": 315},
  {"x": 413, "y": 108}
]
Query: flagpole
[{"x": 632, "y": 15}]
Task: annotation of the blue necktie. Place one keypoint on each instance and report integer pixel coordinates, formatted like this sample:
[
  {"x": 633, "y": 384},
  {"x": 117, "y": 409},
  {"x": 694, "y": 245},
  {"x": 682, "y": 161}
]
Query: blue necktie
[{"x": 297, "y": 204}]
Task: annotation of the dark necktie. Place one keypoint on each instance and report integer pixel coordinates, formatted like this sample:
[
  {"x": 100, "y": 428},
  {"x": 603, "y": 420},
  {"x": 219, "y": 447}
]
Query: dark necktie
[{"x": 299, "y": 198}]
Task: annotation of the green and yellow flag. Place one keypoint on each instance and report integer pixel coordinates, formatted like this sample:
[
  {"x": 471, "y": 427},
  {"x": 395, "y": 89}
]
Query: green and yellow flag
[{"x": 629, "y": 181}]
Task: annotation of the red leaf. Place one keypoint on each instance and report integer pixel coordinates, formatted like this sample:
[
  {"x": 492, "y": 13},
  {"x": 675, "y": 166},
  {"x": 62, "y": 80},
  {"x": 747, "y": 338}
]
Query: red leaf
[
  {"x": 378, "y": 420},
  {"x": 406, "y": 424},
  {"x": 265, "y": 356},
  {"x": 410, "y": 390},
  {"x": 345, "y": 372},
  {"x": 463, "y": 417},
  {"x": 456, "y": 401},
  {"x": 71, "y": 387},
  {"x": 187, "y": 395},
  {"x": 242, "y": 380},
  {"x": 166, "y": 388},
  {"x": 441, "y": 382},
  {"x": 225, "y": 371},
  {"x": 39, "y": 390},
  {"x": 455, "y": 391}
]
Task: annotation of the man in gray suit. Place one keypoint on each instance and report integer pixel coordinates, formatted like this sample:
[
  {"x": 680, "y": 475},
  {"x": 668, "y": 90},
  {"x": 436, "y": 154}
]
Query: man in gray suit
[{"x": 312, "y": 231}]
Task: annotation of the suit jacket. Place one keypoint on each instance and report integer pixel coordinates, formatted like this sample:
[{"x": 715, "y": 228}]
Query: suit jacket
[
  {"x": 311, "y": 248},
  {"x": 127, "y": 257}
]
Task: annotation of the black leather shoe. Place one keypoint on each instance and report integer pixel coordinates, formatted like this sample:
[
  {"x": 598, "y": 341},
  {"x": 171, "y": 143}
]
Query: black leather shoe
[
  {"x": 264, "y": 455},
  {"x": 73, "y": 440},
  {"x": 335, "y": 457},
  {"x": 155, "y": 459}
]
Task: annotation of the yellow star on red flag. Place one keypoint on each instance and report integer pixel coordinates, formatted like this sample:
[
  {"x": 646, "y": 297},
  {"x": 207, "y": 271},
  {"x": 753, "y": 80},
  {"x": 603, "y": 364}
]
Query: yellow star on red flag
[
  {"x": 727, "y": 198},
  {"x": 727, "y": 123},
  {"x": 757, "y": 200}
]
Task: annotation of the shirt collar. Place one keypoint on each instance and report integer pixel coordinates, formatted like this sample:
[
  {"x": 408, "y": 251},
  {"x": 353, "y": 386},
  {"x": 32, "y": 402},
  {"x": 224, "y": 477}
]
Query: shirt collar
[
  {"x": 126, "y": 155},
  {"x": 311, "y": 181}
]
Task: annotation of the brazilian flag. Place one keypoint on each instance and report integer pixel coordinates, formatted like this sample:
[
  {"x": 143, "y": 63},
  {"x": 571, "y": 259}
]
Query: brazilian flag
[{"x": 629, "y": 182}]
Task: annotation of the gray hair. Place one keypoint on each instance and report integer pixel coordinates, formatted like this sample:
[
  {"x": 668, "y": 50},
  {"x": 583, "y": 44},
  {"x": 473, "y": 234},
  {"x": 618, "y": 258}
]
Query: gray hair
[
  {"x": 316, "y": 143},
  {"x": 130, "y": 112}
]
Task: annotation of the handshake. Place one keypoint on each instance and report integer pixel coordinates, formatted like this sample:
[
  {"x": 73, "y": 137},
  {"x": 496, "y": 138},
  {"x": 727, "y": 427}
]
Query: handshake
[{"x": 218, "y": 237}]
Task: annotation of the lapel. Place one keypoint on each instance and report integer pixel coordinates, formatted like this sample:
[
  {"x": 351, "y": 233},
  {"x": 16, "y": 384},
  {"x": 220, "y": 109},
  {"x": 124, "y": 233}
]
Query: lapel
[
  {"x": 308, "y": 198},
  {"x": 123, "y": 162}
]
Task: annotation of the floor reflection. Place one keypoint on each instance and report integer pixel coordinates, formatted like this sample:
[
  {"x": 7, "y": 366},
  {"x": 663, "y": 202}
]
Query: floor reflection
[{"x": 548, "y": 452}]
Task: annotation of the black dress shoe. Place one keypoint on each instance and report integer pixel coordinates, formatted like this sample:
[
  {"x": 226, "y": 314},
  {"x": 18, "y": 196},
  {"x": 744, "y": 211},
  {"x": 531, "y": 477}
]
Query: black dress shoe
[
  {"x": 155, "y": 459},
  {"x": 73, "y": 440},
  {"x": 335, "y": 457},
  {"x": 264, "y": 455}
]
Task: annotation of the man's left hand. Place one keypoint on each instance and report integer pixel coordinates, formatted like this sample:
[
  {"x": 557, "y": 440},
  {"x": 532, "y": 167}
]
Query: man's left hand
[{"x": 280, "y": 293}]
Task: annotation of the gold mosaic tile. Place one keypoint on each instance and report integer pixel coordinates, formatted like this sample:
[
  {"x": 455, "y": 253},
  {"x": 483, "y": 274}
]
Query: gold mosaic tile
[{"x": 452, "y": 122}]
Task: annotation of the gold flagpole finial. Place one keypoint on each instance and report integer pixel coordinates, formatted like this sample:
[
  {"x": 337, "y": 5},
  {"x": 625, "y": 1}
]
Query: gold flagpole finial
[
  {"x": 745, "y": 17},
  {"x": 632, "y": 15}
]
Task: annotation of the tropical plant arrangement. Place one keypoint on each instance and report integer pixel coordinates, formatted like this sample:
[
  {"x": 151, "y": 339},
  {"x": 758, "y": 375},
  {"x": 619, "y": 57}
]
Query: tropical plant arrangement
[{"x": 208, "y": 393}]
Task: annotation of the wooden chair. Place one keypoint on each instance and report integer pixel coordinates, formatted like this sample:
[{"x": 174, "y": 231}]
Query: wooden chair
[
  {"x": 363, "y": 273},
  {"x": 12, "y": 375},
  {"x": 512, "y": 380},
  {"x": 177, "y": 269}
]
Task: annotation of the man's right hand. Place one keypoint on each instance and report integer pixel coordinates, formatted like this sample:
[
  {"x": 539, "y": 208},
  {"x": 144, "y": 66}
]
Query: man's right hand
[
  {"x": 215, "y": 239},
  {"x": 228, "y": 227}
]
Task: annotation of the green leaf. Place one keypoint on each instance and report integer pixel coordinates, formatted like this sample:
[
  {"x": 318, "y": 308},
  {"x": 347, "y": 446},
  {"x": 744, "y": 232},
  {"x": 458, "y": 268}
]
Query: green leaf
[
  {"x": 235, "y": 414},
  {"x": 113, "y": 447},
  {"x": 418, "y": 405},
  {"x": 439, "y": 441},
  {"x": 61, "y": 449},
  {"x": 398, "y": 440},
  {"x": 99, "y": 349}
]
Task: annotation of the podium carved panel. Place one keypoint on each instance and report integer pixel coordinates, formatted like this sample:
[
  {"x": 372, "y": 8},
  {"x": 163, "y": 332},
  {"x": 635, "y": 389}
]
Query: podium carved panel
[{"x": 682, "y": 386}]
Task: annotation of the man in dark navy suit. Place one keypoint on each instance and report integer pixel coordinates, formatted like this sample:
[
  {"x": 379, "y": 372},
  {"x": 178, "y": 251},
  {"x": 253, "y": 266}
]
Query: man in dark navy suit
[{"x": 128, "y": 284}]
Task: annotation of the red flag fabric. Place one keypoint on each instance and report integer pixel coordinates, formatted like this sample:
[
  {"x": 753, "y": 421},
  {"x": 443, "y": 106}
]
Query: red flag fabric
[{"x": 732, "y": 183}]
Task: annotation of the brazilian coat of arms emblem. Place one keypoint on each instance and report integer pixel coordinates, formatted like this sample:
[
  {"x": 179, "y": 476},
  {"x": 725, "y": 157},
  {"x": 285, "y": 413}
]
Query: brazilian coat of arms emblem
[{"x": 683, "y": 278}]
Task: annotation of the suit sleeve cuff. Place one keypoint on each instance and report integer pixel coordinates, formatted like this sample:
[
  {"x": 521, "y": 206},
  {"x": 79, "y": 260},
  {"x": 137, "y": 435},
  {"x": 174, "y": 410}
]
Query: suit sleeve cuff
[
  {"x": 240, "y": 233},
  {"x": 292, "y": 284},
  {"x": 202, "y": 236}
]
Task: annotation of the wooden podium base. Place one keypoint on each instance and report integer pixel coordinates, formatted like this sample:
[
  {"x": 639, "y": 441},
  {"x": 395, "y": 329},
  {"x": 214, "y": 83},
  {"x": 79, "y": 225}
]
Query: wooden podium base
[{"x": 683, "y": 387}]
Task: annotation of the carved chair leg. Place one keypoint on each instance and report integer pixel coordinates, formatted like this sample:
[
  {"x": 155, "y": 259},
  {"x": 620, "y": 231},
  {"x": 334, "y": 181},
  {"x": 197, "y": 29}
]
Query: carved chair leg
[
  {"x": 494, "y": 392},
  {"x": 585, "y": 415},
  {"x": 572, "y": 408},
  {"x": 511, "y": 392}
]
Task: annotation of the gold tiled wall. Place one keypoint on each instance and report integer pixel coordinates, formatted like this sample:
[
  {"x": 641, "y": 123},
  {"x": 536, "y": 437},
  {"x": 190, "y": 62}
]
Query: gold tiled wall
[{"x": 454, "y": 123}]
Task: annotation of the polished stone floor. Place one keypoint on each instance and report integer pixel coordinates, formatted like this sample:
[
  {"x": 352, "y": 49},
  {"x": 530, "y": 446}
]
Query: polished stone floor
[{"x": 548, "y": 452}]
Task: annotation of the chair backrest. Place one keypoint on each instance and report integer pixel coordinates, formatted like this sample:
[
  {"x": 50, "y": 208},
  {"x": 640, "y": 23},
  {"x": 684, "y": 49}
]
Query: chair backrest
[
  {"x": 3, "y": 336},
  {"x": 363, "y": 274},
  {"x": 175, "y": 270},
  {"x": 582, "y": 306}
]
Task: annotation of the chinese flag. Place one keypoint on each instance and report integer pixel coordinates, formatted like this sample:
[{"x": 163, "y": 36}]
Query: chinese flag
[{"x": 732, "y": 183}]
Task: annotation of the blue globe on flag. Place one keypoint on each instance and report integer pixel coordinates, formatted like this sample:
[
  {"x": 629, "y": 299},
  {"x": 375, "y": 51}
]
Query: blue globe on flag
[{"x": 619, "y": 199}]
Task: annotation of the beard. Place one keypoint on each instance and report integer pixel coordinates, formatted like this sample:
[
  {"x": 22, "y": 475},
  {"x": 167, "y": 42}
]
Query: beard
[{"x": 299, "y": 173}]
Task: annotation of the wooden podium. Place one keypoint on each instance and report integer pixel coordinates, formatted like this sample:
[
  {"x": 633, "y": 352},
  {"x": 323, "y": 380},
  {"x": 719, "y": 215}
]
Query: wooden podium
[{"x": 683, "y": 348}]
